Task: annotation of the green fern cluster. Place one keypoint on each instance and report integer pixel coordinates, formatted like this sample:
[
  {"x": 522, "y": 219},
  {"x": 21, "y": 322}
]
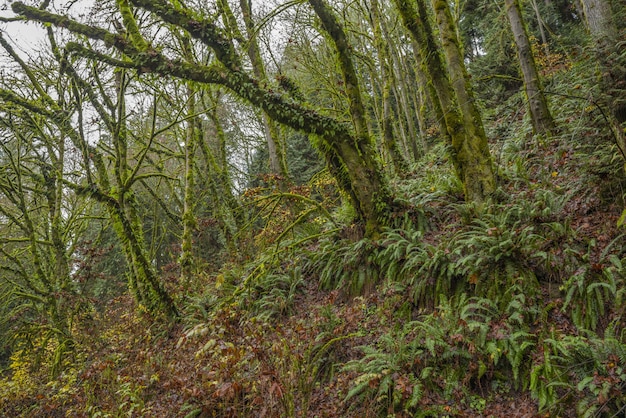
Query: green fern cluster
[
  {"x": 444, "y": 353},
  {"x": 496, "y": 252},
  {"x": 405, "y": 258},
  {"x": 503, "y": 246},
  {"x": 587, "y": 369},
  {"x": 594, "y": 290},
  {"x": 436, "y": 174},
  {"x": 343, "y": 264},
  {"x": 275, "y": 294}
]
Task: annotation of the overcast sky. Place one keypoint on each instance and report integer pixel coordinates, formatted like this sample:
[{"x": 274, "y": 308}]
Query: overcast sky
[
  {"x": 26, "y": 36},
  {"x": 23, "y": 35}
]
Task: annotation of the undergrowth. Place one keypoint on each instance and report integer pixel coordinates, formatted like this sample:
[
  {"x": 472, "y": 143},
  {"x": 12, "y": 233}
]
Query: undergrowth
[
  {"x": 455, "y": 310},
  {"x": 464, "y": 342}
]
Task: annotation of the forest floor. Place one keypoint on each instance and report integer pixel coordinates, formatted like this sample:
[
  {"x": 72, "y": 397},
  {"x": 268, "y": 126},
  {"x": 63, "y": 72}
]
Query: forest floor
[{"x": 310, "y": 356}]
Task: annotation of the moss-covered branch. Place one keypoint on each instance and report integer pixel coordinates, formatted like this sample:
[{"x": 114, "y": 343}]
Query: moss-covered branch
[
  {"x": 198, "y": 27},
  {"x": 350, "y": 157},
  {"x": 33, "y": 13},
  {"x": 131, "y": 25}
]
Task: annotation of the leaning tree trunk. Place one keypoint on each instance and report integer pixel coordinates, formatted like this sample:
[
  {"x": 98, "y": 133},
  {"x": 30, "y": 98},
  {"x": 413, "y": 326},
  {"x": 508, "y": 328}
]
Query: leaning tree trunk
[
  {"x": 541, "y": 118},
  {"x": 362, "y": 163}
]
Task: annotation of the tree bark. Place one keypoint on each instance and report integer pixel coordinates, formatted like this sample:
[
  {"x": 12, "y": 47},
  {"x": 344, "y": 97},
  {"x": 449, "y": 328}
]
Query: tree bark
[
  {"x": 540, "y": 115},
  {"x": 603, "y": 29},
  {"x": 599, "y": 20},
  {"x": 186, "y": 261},
  {"x": 469, "y": 155},
  {"x": 361, "y": 161},
  {"x": 475, "y": 147}
]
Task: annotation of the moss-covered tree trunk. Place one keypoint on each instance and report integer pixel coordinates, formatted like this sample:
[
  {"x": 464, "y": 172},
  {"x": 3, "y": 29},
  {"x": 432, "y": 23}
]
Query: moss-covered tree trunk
[
  {"x": 475, "y": 149},
  {"x": 123, "y": 207},
  {"x": 358, "y": 154},
  {"x": 227, "y": 208},
  {"x": 609, "y": 52},
  {"x": 470, "y": 154},
  {"x": 189, "y": 218},
  {"x": 186, "y": 260},
  {"x": 540, "y": 115}
]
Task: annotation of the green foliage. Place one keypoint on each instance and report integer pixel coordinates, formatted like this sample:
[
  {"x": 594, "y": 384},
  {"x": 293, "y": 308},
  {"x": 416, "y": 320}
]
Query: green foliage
[
  {"x": 274, "y": 294},
  {"x": 379, "y": 381},
  {"x": 300, "y": 366},
  {"x": 586, "y": 369},
  {"x": 594, "y": 290},
  {"x": 436, "y": 174},
  {"x": 463, "y": 341},
  {"x": 496, "y": 251},
  {"x": 501, "y": 247},
  {"x": 344, "y": 264},
  {"x": 407, "y": 259}
]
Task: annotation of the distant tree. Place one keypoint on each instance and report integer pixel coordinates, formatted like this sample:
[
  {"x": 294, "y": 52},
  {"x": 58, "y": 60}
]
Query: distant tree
[
  {"x": 540, "y": 115},
  {"x": 253, "y": 51},
  {"x": 386, "y": 118}
]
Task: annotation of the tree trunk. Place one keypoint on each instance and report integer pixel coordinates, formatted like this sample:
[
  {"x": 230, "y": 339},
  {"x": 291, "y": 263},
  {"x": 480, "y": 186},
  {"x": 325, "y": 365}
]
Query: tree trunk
[
  {"x": 475, "y": 149},
  {"x": 270, "y": 130},
  {"x": 189, "y": 219},
  {"x": 542, "y": 121},
  {"x": 362, "y": 164},
  {"x": 599, "y": 19},
  {"x": 386, "y": 119},
  {"x": 603, "y": 30},
  {"x": 470, "y": 155},
  {"x": 541, "y": 25},
  {"x": 403, "y": 89},
  {"x": 186, "y": 260}
]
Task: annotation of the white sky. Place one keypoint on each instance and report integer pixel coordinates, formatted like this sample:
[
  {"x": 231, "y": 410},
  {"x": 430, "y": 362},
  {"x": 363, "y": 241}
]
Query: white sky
[
  {"x": 26, "y": 36},
  {"x": 23, "y": 35}
]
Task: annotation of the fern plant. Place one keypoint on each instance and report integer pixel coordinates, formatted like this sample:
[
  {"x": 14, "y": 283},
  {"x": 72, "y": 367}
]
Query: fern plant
[
  {"x": 588, "y": 369},
  {"x": 445, "y": 354},
  {"x": 496, "y": 253},
  {"x": 349, "y": 266},
  {"x": 427, "y": 270},
  {"x": 593, "y": 289},
  {"x": 275, "y": 294},
  {"x": 379, "y": 373}
]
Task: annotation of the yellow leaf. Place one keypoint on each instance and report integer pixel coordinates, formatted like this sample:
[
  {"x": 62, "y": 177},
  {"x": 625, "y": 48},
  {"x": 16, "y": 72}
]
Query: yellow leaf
[{"x": 219, "y": 281}]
